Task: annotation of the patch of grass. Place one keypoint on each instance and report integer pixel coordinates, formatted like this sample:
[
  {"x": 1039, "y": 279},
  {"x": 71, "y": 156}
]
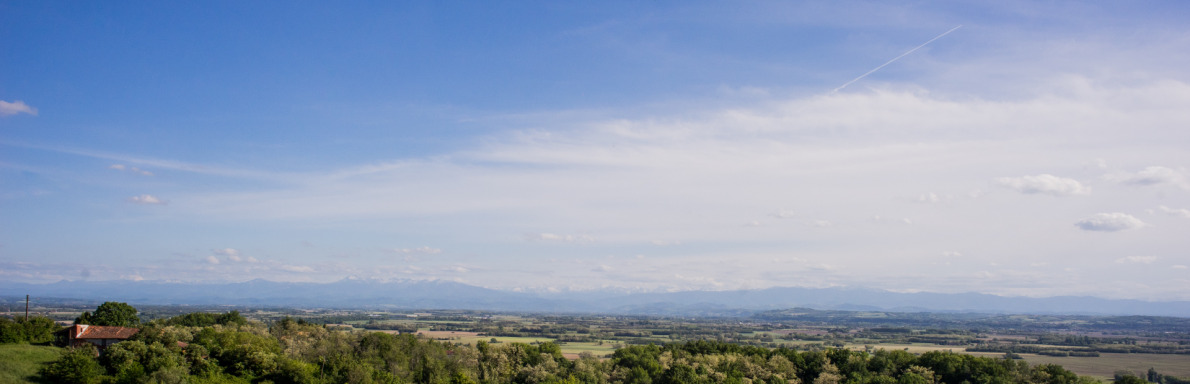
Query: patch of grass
[
  {"x": 595, "y": 348},
  {"x": 507, "y": 339},
  {"x": 19, "y": 362}
]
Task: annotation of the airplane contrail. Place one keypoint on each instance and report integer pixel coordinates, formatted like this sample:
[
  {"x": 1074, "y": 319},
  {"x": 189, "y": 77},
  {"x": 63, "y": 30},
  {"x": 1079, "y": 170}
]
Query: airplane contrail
[{"x": 895, "y": 59}]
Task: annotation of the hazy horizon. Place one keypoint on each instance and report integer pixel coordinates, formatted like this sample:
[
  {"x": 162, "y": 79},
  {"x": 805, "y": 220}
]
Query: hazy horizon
[{"x": 1036, "y": 150}]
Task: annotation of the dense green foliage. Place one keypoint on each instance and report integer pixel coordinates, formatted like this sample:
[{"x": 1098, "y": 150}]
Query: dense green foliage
[
  {"x": 77, "y": 365},
  {"x": 112, "y": 314},
  {"x": 205, "y": 319},
  {"x": 290, "y": 351},
  {"x": 36, "y": 330}
]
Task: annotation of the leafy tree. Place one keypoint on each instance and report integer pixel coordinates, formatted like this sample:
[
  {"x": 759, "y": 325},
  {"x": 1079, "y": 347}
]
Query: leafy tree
[
  {"x": 916, "y": 375},
  {"x": 1054, "y": 374},
  {"x": 84, "y": 318},
  {"x": 829, "y": 374},
  {"x": 231, "y": 318},
  {"x": 136, "y": 361},
  {"x": 111, "y": 313},
  {"x": 77, "y": 365},
  {"x": 1153, "y": 376},
  {"x": 36, "y": 330},
  {"x": 679, "y": 374},
  {"x": 1130, "y": 379},
  {"x": 242, "y": 351}
]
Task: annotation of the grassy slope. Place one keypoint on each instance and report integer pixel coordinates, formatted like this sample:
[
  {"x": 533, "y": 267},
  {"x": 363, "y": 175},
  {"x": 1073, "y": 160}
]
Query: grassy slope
[{"x": 19, "y": 362}]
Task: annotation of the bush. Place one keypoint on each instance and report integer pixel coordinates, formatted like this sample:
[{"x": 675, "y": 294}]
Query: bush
[{"x": 77, "y": 365}]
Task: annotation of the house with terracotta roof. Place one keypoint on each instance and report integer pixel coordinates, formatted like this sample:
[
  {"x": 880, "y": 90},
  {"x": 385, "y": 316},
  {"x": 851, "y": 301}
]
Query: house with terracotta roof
[{"x": 99, "y": 335}]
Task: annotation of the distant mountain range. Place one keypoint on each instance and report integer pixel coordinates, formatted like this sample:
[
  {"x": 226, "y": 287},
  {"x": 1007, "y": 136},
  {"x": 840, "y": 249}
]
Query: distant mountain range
[{"x": 409, "y": 294}]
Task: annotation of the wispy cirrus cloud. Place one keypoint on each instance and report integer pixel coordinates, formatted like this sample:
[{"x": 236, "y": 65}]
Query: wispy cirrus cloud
[
  {"x": 122, "y": 167},
  {"x": 125, "y": 159}
]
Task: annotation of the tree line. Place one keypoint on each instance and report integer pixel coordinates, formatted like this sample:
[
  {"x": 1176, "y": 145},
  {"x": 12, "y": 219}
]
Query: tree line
[
  {"x": 227, "y": 348},
  {"x": 295, "y": 351}
]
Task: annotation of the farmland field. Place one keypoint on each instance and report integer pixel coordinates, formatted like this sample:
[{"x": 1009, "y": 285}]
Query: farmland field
[{"x": 1106, "y": 364}]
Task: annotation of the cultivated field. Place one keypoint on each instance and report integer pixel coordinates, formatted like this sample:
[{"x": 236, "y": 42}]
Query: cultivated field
[{"x": 1106, "y": 364}]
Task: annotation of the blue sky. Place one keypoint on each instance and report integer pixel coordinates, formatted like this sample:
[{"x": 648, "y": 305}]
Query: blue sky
[{"x": 1038, "y": 150}]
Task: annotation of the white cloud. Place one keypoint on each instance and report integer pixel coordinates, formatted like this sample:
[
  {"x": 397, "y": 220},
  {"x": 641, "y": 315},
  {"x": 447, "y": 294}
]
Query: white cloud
[
  {"x": 233, "y": 254},
  {"x": 822, "y": 223},
  {"x": 419, "y": 250},
  {"x": 662, "y": 243},
  {"x": 1181, "y": 212},
  {"x": 699, "y": 177},
  {"x": 212, "y": 259},
  {"x": 952, "y": 254},
  {"x": 146, "y": 199},
  {"x": 1044, "y": 184},
  {"x": 1137, "y": 260},
  {"x": 928, "y": 198},
  {"x": 784, "y": 214},
  {"x": 1110, "y": 222},
  {"x": 297, "y": 268},
  {"x": 1153, "y": 175},
  {"x": 561, "y": 238},
  {"x": 118, "y": 167},
  {"x": 890, "y": 220},
  {"x": 823, "y": 267},
  {"x": 9, "y": 109},
  {"x": 1179, "y": 266}
]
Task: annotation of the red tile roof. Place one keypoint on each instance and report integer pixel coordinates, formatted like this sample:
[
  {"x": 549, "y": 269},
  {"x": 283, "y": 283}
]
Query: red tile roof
[{"x": 104, "y": 332}]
